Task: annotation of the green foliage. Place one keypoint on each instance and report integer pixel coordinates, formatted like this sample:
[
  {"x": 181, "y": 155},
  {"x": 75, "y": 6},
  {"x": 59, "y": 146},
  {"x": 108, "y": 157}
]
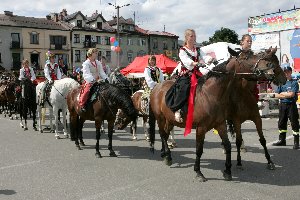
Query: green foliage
[{"x": 224, "y": 35}]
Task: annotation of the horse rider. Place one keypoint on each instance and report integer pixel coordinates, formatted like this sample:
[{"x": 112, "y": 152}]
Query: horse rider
[
  {"x": 52, "y": 73},
  {"x": 287, "y": 94},
  {"x": 153, "y": 76},
  {"x": 26, "y": 72},
  {"x": 92, "y": 72},
  {"x": 189, "y": 56}
]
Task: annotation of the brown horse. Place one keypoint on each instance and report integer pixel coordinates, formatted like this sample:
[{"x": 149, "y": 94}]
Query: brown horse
[
  {"x": 210, "y": 108},
  {"x": 244, "y": 105},
  {"x": 109, "y": 99}
]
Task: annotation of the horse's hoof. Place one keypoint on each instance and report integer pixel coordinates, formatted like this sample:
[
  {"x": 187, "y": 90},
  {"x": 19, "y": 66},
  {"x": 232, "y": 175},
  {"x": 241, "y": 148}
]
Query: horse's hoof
[
  {"x": 98, "y": 155},
  {"x": 41, "y": 131},
  {"x": 21, "y": 125},
  {"x": 147, "y": 138},
  {"x": 134, "y": 138},
  {"x": 271, "y": 166},
  {"x": 168, "y": 161},
  {"x": 201, "y": 178},
  {"x": 228, "y": 177},
  {"x": 66, "y": 135},
  {"x": 25, "y": 129},
  {"x": 78, "y": 147},
  {"x": 57, "y": 137},
  {"x": 34, "y": 128},
  {"x": 113, "y": 154},
  {"x": 244, "y": 150},
  {"x": 52, "y": 131},
  {"x": 11, "y": 118},
  {"x": 240, "y": 167}
]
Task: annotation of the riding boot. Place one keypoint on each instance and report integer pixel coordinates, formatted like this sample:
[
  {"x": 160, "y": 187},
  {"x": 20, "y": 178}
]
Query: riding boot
[
  {"x": 296, "y": 142},
  {"x": 281, "y": 141}
]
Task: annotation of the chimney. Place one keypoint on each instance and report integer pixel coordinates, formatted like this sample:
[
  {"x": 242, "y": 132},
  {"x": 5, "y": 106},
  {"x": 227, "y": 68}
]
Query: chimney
[
  {"x": 8, "y": 13},
  {"x": 64, "y": 12},
  {"x": 48, "y": 17},
  {"x": 55, "y": 17}
]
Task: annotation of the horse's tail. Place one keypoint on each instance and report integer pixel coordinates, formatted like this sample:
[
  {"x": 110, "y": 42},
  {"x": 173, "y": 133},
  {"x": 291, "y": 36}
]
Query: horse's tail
[{"x": 151, "y": 128}]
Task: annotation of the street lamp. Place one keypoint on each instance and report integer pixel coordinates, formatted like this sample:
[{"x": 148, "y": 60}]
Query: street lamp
[{"x": 118, "y": 34}]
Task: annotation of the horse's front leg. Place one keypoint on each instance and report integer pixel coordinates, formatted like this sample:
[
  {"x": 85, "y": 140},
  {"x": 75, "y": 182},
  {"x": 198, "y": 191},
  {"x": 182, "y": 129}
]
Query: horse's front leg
[
  {"x": 55, "y": 112},
  {"x": 227, "y": 145},
  {"x": 171, "y": 140},
  {"x": 50, "y": 118},
  {"x": 262, "y": 140},
  {"x": 200, "y": 136},
  {"x": 65, "y": 130},
  {"x": 34, "y": 117},
  {"x": 238, "y": 142},
  {"x": 25, "y": 118},
  {"x": 145, "y": 126},
  {"x": 39, "y": 108},
  {"x": 110, "y": 126},
  {"x": 133, "y": 128}
]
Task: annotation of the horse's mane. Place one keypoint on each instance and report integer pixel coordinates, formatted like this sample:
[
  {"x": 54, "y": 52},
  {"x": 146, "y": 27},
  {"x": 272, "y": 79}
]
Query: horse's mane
[
  {"x": 218, "y": 71},
  {"x": 117, "y": 95}
]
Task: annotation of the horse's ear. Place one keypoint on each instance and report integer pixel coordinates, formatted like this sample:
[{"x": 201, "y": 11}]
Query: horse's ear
[
  {"x": 274, "y": 50},
  {"x": 232, "y": 52},
  {"x": 269, "y": 50}
]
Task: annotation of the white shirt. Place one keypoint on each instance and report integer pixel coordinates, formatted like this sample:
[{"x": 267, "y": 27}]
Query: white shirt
[
  {"x": 150, "y": 82},
  {"x": 88, "y": 76},
  {"x": 22, "y": 71},
  {"x": 47, "y": 71}
]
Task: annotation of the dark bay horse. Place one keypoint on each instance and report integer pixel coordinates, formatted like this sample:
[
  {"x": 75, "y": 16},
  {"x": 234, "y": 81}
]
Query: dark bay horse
[
  {"x": 109, "y": 99},
  {"x": 244, "y": 105},
  {"x": 27, "y": 102},
  {"x": 210, "y": 108}
]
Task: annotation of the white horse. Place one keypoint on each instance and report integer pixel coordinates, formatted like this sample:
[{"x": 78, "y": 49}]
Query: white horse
[{"x": 57, "y": 100}]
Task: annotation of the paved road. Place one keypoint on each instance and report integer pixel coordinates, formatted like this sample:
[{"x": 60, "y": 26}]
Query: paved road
[{"x": 36, "y": 166}]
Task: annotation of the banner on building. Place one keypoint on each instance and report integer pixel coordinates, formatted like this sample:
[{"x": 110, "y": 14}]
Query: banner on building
[
  {"x": 264, "y": 41},
  {"x": 274, "y": 22}
]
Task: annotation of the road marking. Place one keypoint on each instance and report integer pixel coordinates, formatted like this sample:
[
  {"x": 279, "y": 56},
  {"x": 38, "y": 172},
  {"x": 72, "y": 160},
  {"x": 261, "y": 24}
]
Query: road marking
[{"x": 21, "y": 164}]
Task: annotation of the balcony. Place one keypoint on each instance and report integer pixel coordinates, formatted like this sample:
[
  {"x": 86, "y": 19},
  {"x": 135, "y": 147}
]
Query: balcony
[
  {"x": 15, "y": 45},
  {"x": 88, "y": 44},
  {"x": 58, "y": 47}
]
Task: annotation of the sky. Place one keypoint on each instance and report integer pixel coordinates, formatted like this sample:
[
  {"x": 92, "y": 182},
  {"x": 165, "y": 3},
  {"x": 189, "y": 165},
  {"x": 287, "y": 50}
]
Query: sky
[{"x": 204, "y": 16}]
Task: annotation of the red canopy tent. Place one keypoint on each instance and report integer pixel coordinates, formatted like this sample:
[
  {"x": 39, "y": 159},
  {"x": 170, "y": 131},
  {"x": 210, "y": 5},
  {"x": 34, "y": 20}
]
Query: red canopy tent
[{"x": 138, "y": 65}]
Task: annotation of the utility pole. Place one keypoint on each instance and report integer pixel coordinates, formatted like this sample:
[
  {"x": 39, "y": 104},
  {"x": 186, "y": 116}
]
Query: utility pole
[{"x": 118, "y": 29}]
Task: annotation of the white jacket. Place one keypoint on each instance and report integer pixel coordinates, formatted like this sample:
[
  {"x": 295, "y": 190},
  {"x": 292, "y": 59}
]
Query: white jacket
[
  {"x": 22, "y": 73},
  {"x": 90, "y": 73},
  {"x": 150, "y": 82},
  {"x": 47, "y": 71}
]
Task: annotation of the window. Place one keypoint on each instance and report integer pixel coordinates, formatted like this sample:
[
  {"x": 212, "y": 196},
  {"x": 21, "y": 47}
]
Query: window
[
  {"x": 129, "y": 56},
  {"x": 77, "y": 55},
  {"x": 98, "y": 39},
  {"x": 174, "y": 45},
  {"x": 79, "y": 23},
  {"x": 76, "y": 38},
  {"x": 62, "y": 40},
  {"x": 108, "y": 56},
  {"x": 155, "y": 44},
  {"x": 165, "y": 45},
  {"x": 16, "y": 60},
  {"x": 129, "y": 41},
  {"x": 99, "y": 55},
  {"x": 131, "y": 28},
  {"x": 34, "y": 38},
  {"x": 107, "y": 41},
  {"x": 99, "y": 25},
  {"x": 15, "y": 40},
  {"x": 142, "y": 42}
]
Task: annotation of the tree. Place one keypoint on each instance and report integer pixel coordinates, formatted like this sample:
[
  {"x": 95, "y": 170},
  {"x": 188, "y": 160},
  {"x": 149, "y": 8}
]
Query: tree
[{"x": 224, "y": 35}]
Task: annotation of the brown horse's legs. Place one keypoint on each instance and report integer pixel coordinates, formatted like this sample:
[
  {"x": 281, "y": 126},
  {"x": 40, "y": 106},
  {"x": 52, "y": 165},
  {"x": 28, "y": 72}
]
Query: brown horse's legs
[
  {"x": 79, "y": 131},
  {"x": 262, "y": 140},
  {"x": 238, "y": 142},
  {"x": 227, "y": 145},
  {"x": 200, "y": 135},
  {"x": 110, "y": 134},
  {"x": 98, "y": 134},
  {"x": 165, "y": 151}
]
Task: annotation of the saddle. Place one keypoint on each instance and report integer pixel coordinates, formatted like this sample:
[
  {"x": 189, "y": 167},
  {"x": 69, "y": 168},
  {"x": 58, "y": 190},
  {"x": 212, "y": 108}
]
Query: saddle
[{"x": 96, "y": 89}]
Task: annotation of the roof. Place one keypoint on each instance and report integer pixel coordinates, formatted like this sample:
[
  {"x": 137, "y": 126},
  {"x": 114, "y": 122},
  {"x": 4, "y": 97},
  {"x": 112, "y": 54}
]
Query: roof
[
  {"x": 31, "y": 22},
  {"x": 121, "y": 21},
  {"x": 73, "y": 16},
  {"x": 147, "y": 32},
  {"x": 94, "y": 18}
]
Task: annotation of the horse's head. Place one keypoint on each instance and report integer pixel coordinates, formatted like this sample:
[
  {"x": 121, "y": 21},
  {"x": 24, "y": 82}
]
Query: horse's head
[
  {"x": 122, "y": 120},
  {"x": 275, "y": 74},
  {"x": 253, "y": 66}
]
